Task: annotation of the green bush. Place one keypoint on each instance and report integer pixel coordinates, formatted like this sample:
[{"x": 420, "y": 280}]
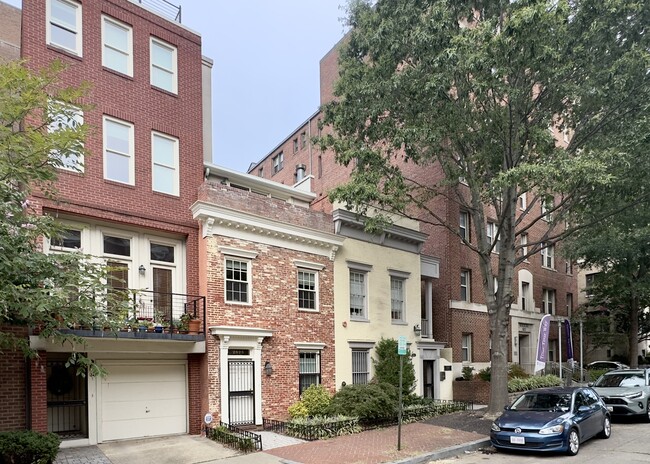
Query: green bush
[
  {"x": 515, "y": 371},
  {"x": 519, "y": 385},
  {"x": 371, "y": 402},
  {"x": 387, "y": 363},
  {"x": 320, "y": 428},
  {"x": 594, "y": 374},
  {"x": 313, "y": 402},
  {"x": 27, "y": 447},
  {"x": 485, "y": 374},
  {"x": 468, "y": 373}
]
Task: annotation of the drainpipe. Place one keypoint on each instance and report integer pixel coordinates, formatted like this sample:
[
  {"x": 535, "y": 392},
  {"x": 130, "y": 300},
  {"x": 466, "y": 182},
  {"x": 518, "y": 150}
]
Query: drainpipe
[
  {"x": 28, "y": 396},
  {"x": 311, "y": 166}
]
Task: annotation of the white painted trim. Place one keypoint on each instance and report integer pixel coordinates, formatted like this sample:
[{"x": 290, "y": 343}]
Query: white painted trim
[
  {"x": 357, "y": 266},
  {"x": 308, "y": 265},
  {"x": 238, "y": 252},
  {"x": 129, "y": 45},
  {"x": 309, "y": 345},
  {"x": 234, "y": 331}
]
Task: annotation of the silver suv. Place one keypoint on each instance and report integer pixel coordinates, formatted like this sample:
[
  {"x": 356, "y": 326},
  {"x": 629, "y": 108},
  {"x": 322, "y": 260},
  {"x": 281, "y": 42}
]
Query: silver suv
[{"x": 626, "y": 392}]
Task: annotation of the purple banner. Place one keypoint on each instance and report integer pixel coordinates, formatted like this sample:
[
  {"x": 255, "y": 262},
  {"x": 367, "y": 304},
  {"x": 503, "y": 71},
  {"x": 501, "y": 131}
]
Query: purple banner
[
  {"x": 569, "y": 340},
  {"x": 542, "y": 343}
]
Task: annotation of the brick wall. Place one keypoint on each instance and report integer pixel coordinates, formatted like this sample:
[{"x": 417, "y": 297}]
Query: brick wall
[
  {"x": 477, "y": 391},
  {"x": 38, "y": 400},
  {"x": 12, "y": 386},
  {"x": 9, "y": 32}
]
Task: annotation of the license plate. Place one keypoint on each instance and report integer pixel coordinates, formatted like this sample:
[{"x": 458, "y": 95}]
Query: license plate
[{"x": 518, "y": 440}]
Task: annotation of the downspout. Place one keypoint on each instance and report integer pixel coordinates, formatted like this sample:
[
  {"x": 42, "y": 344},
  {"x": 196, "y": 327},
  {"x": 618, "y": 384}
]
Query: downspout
[
  {"x": 28, "y": 396},
  {"x": 311, "y": 172}
]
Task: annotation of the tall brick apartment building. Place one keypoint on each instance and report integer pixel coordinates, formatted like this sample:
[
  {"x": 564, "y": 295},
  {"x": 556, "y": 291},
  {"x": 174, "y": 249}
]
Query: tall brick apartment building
[
  {"x": 453, "y": 306},
  {"x": 130, "y": 206}
]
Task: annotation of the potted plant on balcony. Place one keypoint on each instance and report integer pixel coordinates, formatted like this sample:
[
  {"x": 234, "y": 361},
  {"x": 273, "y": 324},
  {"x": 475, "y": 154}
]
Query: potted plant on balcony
[{"x": 190, "y": 323}]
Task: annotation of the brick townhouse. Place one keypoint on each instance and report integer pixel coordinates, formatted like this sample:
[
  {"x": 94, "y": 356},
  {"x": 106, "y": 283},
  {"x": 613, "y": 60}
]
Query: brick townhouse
[
  {"x": 130, "y": 206},
  {"x": 453, "y": 306}
]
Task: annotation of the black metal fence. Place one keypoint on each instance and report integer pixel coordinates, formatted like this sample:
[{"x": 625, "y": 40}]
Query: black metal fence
[
  {"x": 234, "y": 437},
  {"x": 170, "y": 311},
  {"x": 164, "y": 8}
]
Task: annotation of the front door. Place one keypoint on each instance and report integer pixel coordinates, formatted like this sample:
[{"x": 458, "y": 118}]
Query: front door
[
  {"x": 241, "y": 392},
  {"x": 428, "y": 378},
  {"x": 67, "y": 399}
]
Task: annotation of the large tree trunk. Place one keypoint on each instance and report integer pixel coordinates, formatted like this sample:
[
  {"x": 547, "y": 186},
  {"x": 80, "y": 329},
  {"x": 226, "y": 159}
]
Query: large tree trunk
[
  {"x": 633, "y": 332},
  {"x": 500, "y": 328}
]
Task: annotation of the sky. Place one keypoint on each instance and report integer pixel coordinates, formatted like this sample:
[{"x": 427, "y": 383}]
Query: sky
[{"x": 265, "y": 78}]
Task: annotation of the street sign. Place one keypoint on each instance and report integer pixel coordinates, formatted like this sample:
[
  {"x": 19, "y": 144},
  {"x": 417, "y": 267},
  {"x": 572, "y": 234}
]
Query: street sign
[{"x": 401, "y": 345}]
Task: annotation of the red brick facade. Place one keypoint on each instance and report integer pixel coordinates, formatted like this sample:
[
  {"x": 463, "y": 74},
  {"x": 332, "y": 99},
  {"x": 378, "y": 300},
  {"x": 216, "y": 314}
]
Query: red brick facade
[{"x": 12, "y": 391}]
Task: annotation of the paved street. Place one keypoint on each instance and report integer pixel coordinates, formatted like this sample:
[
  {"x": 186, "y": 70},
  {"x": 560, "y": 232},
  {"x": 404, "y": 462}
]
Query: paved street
[{"x": 628, "y": 445}]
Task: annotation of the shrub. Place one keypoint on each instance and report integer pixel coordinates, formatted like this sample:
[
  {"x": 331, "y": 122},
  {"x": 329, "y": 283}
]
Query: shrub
[
  {"x": 517, "y": 384},
  {"x": 27, "y": 447},
  {"x": 319, "y": 428},
  {"x": 468, "y": 373},
  {"x": 371, "y": 402},
  {"x": 594, "y": 374},
  {"x": 313, "y": 402},
  {"x": 387, "y": 366},
  {"x": 515, "y": 371},
  {"x": 485, "y": 374}
]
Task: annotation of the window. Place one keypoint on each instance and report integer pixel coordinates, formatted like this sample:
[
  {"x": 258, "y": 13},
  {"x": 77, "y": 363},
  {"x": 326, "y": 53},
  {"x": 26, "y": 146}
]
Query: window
[
  {"x": 548, "y": 301},
  {"x": 70, "y": 239},
  {"x": 464, "y": 225},
  {"x": 360, "y": 366},
  {"x": 303, "y": 139},
  {"x": 164, "y": 159},
  {"x": 118, "y": 151},
  {"x": 278, "y": 162},
  {"x": 308, "y": 370},
  {"x": 465, "y": 285},
  {"x": 64, "y": 117},
  {"x": 548, "y": 256},
  {"x": 525, "y": 296},
  {"x": 590, "y": 282},
  {"x": 117, "y": 46},
  {"x": 523, "y": 243},
  {"x": 522, "y": 200},
  {"x": 492, "y": 232},
  {"x": 569, "y": 304},
  {"x": 358, "y": 294},
  {"x": 547, "y": 206},
  {"x": 237, "y": 281},
  {"x": 260, "y": 172},
  {"x": 163, "y": 66},
  {"x": 396, "y": 299},
  {"x": 64, "y": 25},
  {"x": 307, "y": 289},
  {"x": 466, "y": 347},
  {"x": 568, "y": 267},
  {"x": 295, "y": 145}
]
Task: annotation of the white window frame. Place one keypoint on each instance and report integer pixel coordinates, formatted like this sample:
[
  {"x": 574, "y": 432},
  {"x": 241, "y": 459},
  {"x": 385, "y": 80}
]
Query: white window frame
[
  {"x": 466, "y": 276},
  {"x": 74, "y": 162},
  {"x": 314, "y": 291},
  {"x": 317, "y": 373},
  {"x": 278, "y": 162},
  {"x": 523, "y": 241},
  {"x": 466, "y": 347},
  {"x": 129, "y": 45},
  {"x": 248, "y": 281},
  {"x": 173, "y": 167},
  {"x": 363, "y": 355},
  {"x": 154, "y": 42},
  {"x": 546, "y": 207},
  {"x": 463, "y": 225},
  {"x": 52, "y": 22},
  {"x": 397, "y": 298},
  {"x": 548, "y": 301},
  {"x": 362, "y": 314},
  {"x": 131, "y": 155},
  {"x": 491, "y": 231},
  {"x": 548, "y": 256},
  {"x": 522, "y": 201},
  {"x": 526, "y": 304}
]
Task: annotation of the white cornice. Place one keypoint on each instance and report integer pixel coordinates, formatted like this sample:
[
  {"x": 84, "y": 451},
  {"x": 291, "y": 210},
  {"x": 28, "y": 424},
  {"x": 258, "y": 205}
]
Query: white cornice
[{"x": 232, "y": 331}]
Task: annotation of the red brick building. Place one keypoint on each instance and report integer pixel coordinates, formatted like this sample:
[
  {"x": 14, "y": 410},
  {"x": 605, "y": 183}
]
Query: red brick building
[
  {"x": 453, "y": 306},
  {"x": 130, "y": 206}
]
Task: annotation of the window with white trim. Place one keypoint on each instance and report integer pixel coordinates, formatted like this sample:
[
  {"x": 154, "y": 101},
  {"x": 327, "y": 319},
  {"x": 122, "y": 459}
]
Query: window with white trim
[
  {"x": 164, "y": 74},
  {"x": 64, "y": 25},
  {"x": 466, "y": 347},
  {"x": 525, "y": 297},
  {"x": 397, "y": 298},
  {"x": 548, "y": 256},
  {"x": 117, "y": 46},
  {"x": 464, "y": 225},
  {"x": 358, "y": 294},
  {"x": 64, "y": 117},
  {"x": 522, "y": 201},
  {"x": 308, "y": 369},
  {"x": 523, "y": 242},
  {"x": 307, "y": 289},
  {"x": 118, "y": 151},
  {"x": 548, "y": 301},
  {"x": 547, "y": 206},
  {"x": 360, "y": 366},
  {"x": 164, "y": 160},
  {"x": 492, "y": 234},
  {"x": 278, "y": 162},
  {"x": 465, "y": 278},
  {"x": 238, "y": 280}
]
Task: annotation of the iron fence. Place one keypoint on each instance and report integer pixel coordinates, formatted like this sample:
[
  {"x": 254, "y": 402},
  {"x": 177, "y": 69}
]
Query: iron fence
[
  {"x": 163, "y": 8},
  {"x": 235, "y": 437}
]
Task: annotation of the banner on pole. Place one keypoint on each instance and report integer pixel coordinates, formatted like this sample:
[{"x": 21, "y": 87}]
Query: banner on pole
[
  {"x": 542, "y": 343},
  {"x": 569, "y": 341}
]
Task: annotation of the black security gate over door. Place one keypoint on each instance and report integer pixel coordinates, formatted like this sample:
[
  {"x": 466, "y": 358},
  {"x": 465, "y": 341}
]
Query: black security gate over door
[
  {"x": 428, "y": 379},
  {"x": 241, "y": 392}
]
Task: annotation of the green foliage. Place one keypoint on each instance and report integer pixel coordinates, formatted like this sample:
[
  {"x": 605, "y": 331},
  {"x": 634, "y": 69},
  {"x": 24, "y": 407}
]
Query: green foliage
[
  {"x": 225, "y": 436},
  {"x": 594, "y": 374},
  {"x": 371, "y": 402},
  {"x": 515, "y": 371},
  {"x": 468, "y": 373},
  {"x": 485, "y": 374},
  {"x": 517, "y": 384},
  {"x": 321, "y": 428},
  {"x": 387, "y": 363},
  {"x": 313, "y": 402},
  {"x": 45, "y": 291},
  {"x": 27, "y": 447}
]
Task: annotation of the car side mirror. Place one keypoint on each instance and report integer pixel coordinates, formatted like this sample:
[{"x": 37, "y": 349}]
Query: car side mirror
[
  {"x": 583, "y": 409},
  {"x": 506, "y": 408},
  {"x": 590, "y": 384}
]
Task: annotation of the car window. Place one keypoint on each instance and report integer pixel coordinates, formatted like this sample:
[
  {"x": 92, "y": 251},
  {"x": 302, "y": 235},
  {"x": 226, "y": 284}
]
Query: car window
[
  {"x": 542, "y": 402},
  {"x": 592, "y": 397},
  {"x": 581, "y": 400},
  {"x": 620, "y": 380}
]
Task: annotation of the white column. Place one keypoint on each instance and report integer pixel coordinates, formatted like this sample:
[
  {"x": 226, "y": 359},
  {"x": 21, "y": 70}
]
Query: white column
[
  {"x": 257, "y": 358},
  {"x": 223, "y": 376}
]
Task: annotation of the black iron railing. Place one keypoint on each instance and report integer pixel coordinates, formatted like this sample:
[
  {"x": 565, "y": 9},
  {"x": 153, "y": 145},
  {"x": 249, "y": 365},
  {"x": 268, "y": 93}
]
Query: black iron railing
[
  {"x": 235, "y": 437},
  {"x": 164, "y": 8},
  {"x": 169, "y": 311}
]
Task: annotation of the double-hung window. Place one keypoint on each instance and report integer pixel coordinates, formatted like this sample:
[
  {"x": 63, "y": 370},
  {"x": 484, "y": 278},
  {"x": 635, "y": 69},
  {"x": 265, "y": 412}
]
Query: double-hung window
[
  {"x": 548, "y": 301},
  {"x": 466, "y": 347},
  {"x": 237, "y": 280},
  {"x": 64, "y": 25},
  {"x": 492, "y": 234},
  {"x": 65, "y": 117},
  {"x": 278, "y": 162},
  {"x": 118, "y": 151},
  {"x": 464, "y": 225},
  {"x": 358, "y": 294},
  {"x": 548, "y": 256},
  {"x": 396, "y": 299},
  {"x": 117, "y": 46},
  {"x": 465, "y": 277},
  {"x": 164, "y": 159},
  {"x": 309, "y": 369},
  {"x": 307, "y": 289},
  {"x": 164, "y": 73}
]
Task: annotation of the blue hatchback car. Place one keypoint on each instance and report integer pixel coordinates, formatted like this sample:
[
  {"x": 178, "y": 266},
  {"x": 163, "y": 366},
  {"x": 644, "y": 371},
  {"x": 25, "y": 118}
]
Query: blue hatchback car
[{"x": 552, "y": 419}]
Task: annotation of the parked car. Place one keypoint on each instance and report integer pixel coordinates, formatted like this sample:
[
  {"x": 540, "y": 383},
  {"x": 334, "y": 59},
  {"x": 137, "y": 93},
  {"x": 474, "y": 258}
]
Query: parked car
[
  {"x": 626, "y": 392},
  {"x": 552, "y": 419},
  {"x": 603, "y": 365}
]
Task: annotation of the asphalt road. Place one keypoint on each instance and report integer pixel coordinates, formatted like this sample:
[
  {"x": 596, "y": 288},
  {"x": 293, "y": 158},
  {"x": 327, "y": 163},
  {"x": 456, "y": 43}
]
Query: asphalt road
[{"x": 629, "y": 443}]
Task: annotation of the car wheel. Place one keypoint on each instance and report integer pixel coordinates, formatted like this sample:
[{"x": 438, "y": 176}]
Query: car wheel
[
  {"x": 607, "y": 428},
  {"x": 647, "y": 412},
  {"x": 573, "y": 443}
]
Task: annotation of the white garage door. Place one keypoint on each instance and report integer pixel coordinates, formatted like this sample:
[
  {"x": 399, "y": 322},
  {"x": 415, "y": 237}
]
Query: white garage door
[{"x": 141, "y": 400}]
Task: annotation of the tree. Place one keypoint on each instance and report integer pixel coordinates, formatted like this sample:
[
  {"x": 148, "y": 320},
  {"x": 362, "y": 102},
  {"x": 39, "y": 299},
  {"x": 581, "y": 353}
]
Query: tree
[
  {"x": 469, "y": 89},
  {"x": 46, "y": 292},
  {"x": 387, "y": 366}
]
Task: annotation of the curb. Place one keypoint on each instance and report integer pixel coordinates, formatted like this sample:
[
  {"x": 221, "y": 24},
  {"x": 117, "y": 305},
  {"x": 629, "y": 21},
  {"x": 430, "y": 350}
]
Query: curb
[{"x": 445, "y": 452}]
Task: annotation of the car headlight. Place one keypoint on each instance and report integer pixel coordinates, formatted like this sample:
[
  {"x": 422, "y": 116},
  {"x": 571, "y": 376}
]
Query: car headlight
[
  {"x": 495, "y": 427},
  {"x": 551, "y": 430},
  {"x": 634, "y": 395}
]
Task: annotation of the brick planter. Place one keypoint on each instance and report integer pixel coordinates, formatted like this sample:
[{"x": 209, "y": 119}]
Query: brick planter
[{"x": 477, "y": 391}]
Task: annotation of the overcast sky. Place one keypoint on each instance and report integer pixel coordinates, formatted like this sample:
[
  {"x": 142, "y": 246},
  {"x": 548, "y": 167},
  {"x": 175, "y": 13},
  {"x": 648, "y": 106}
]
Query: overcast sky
[{"x": 265, "y": 79}]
